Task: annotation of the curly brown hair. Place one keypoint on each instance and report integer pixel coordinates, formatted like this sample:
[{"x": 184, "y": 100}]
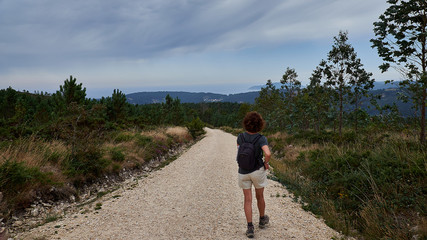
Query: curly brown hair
[{"x": 253, "y": 122}]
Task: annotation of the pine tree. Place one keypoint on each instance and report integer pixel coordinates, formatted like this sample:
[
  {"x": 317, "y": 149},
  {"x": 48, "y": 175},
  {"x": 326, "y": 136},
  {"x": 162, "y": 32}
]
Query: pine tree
[
  {"x": 70, "y": 92},
  {"x": 292, "y": 87},
  {"x": 270, "y": 104},
  {"x": 343, "y": 72},
  {"x": 320, "y": 96},
  {"x": 401, "y": 35}
]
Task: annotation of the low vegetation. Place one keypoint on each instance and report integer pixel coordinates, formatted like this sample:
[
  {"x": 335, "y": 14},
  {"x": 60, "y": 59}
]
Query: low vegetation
[
  {"x": 53, "y": 144},
  {"x": 29, "y": 167},
  {"x": 372, "y": 185}
]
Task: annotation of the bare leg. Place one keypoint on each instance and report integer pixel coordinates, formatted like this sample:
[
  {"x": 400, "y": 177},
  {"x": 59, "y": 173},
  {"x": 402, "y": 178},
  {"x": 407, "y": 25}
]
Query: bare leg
[
  {"x": 248, "y": 204},
  {"x": 259, "y": 193}
]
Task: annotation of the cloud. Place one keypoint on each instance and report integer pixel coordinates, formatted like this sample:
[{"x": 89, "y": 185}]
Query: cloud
[
  {"x": 141, "y": 29},
  {"x": 168, "y": 40}
]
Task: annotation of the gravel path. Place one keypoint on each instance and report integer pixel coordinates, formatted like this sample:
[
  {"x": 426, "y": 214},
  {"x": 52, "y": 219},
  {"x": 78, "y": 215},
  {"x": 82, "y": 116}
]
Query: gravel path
[{"x": 194, "y": 197}]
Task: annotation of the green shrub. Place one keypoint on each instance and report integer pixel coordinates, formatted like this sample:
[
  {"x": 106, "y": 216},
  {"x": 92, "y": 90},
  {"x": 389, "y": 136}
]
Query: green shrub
[
  {"x": 87, "y": 162},
  {"x": 51, "y": 218},
  {"x": 195, "y": 127},
  {"x": 15, "y": 176},
  {"x": 116, "y": 167},
  {"x": 374, "y": 183},
  {"x": 154, "y": 149},
  {"x": 117, "y": 154},
  {"x": 123, "y": 137},
  {"x": 142, "y": 140},
  {"x": 52, "y": 156}
]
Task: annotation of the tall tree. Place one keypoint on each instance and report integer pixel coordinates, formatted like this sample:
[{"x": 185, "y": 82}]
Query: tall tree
[
  {"x": 70, "y": 92},
  {"x": 401, "y": 34},
  {"x": 361, "y": 83},
  {"x": 116, "y": 106},
  {"x": 290, "y": 83},
  {"x": 292, "y": 87},
  {"x": 173, "y": 113},
  {"x": 320, "y": 96},
  {"x": 342, "y": 70},
  {"x": 270, "y": 104}
]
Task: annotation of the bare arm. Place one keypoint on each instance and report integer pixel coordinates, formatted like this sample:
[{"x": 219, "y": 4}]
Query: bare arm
[{"x": 267, "y": 156}]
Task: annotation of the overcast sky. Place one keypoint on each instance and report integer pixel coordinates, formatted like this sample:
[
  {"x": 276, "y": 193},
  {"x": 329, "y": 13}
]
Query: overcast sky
[{"x": 221, "y": 46}]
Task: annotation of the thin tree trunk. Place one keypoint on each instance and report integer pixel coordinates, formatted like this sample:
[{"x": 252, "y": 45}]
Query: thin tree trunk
[
  {"x": 356, "y": 111},
  {"x": 318, "y": 121},
  {"x": 423, "y": 117},
  {"x": 423, "y": 81},
  {"x": 341, "y": 110}
]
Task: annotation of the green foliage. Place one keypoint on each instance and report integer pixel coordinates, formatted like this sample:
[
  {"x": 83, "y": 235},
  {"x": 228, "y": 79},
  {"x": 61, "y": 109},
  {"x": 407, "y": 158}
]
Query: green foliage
[
  {"x": 70, "y": 92},
  {"x": 143, "y": 141},
  {"x": 51, "y": 218},
  {"x": 217, "y": 114},
  {"x": 78, "y": 129},
  {"x": 357, "y": 174},
  {"x": 15, "y": 176},
  {"x": 270, "y": 104},
  {"x": 291, "y": 84},
  {"x": 401, "y": 41},
  {"x": 195, "y": 127},
  {"x": 123, "y": 137},
  {"x": 345, "y": 75},
  {"x": 116, "y": 106},
  {"x": 172, "y": 111},
  {"x": 87, "y": 161},
  {"x": 52, "y": 156},
  {"x": 98, "y": 206},
  {"x": 117, "y": 154}
]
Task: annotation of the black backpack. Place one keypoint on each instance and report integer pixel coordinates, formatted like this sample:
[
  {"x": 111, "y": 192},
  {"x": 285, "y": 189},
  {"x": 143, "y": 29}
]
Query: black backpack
[{"x": 246, "y": 154}]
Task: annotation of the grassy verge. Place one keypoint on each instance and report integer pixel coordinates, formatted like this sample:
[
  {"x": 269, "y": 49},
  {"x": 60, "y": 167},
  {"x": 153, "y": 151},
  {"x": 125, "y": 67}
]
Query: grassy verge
[
  {"x": 371, "y": 185},
  {"x": 31, "y": 167}
]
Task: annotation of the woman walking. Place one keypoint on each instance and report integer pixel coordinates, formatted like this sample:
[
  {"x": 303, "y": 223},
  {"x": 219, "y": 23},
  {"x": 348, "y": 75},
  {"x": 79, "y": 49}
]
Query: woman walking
[{"x": 256, "y": 175}]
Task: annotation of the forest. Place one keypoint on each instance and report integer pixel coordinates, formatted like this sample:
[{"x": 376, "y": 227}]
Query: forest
[{"x": 365, "y": 174}]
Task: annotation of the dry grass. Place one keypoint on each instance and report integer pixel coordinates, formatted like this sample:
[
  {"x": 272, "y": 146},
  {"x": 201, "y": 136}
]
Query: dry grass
[
  {"x": 178, "y": 132},
  {"x": 162, "y": 134},
  {"x": 33, "y": 152},
  {"x": 331, "y": 215},
  {"x": 377, "y": 218},
  {"x": 133, "y": 152},
  {"x": 380, "y": 222},
  {"x": 157, "y": 135},
  {"x": 49, "y": 157}
]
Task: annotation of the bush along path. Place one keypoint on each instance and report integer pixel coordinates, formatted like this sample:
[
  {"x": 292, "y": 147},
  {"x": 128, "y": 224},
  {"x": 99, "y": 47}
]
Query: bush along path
[
  {"x": 26, "y": 201},
  {"x": 194, "y": 197}
]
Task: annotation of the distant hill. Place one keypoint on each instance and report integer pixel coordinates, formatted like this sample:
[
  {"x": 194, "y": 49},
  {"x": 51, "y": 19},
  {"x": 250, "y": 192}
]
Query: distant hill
[
  {"x": 190, "y": 97},
  {"x": 377, "y": 86},
  {"x": 388, "y": 96}
]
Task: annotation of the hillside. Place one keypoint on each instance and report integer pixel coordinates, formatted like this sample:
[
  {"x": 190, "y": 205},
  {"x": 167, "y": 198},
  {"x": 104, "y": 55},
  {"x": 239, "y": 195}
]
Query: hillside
[
  {"x": 377, "y": 86},
  {"x": 190, "y": 97},
  {"x": 388, "y": 96}
]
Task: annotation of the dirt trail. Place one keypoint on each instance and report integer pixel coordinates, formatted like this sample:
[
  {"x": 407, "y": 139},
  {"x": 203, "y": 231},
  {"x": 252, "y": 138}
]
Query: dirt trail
[{"x": 194, "y": 197}]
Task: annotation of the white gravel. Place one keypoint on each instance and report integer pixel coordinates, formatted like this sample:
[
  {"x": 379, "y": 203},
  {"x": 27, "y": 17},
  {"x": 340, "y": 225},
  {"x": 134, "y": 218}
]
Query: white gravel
[{"x": 194, "y": 197}]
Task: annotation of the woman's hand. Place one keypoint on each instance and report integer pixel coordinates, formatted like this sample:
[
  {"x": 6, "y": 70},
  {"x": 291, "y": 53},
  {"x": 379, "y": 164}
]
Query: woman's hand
[
  {"x": 267, "y": 156},
  {"x": 266, "y": 166}
]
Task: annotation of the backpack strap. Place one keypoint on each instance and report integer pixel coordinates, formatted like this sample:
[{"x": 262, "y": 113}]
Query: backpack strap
[
  {"x": 256, "y": 139},
  {"x": 253, "y": 142},
  {"x": 242, "y": 137}
]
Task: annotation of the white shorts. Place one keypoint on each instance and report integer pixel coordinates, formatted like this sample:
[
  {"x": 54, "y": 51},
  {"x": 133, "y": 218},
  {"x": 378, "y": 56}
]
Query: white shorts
[{"x": 258, "y": 178}]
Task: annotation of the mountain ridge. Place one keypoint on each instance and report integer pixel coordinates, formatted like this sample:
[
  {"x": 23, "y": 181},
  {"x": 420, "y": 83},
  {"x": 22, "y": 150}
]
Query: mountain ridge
[
  {"x": 150, "y": 97},
  {"x": 190, "y": 97},
  {"x": 388, "y": 96}
]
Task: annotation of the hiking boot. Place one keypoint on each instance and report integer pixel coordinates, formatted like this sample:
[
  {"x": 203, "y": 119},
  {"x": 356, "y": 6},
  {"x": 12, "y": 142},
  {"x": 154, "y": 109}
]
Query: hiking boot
[
  {"x": 250, "y": 232},
  {"x": 263, "y": 222}
]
